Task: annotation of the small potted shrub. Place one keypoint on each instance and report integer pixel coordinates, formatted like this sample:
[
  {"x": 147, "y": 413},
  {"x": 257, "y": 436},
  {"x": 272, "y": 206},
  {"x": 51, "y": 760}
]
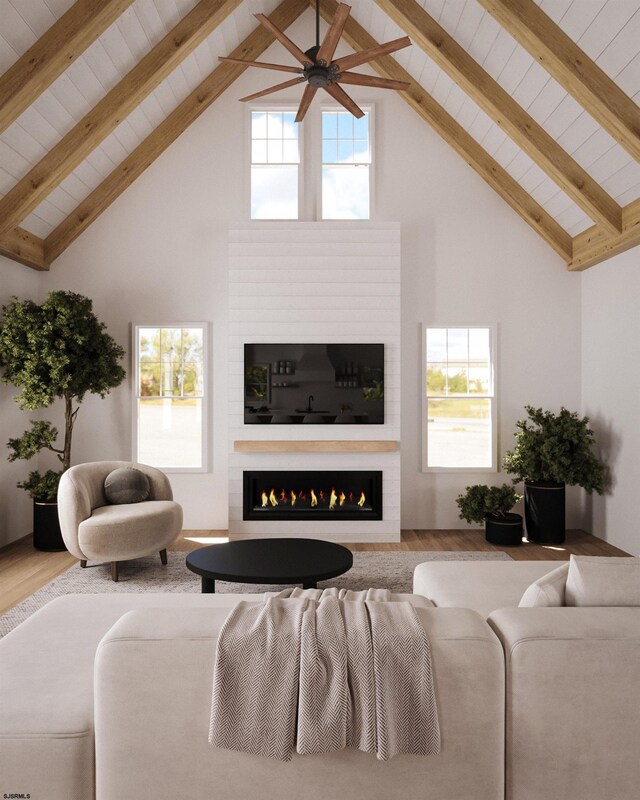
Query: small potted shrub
[
  {"x": 492, "y": 506},
  {"x": 552, "y": 451},
  {"x": 56, "y": 350}
]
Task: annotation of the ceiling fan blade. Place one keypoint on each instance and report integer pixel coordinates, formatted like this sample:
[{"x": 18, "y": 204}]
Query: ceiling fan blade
[
  {"x": 355, "y": 59},
  {"x": 276, "y": 88},
  {"x": 343, "y": 98},
  {"x": 307, "y": 97},
  {"x": 263, "y": 64},
  {"x": 357, "y": 79},
  {"x": 295, "y": 51},
  {"x": 332, "y": 37}
]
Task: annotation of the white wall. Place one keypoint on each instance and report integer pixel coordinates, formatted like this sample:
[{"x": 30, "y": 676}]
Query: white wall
[
  {"x": 611, "y": 392},
  {"x": 15, "y": 504},
  {"x": 160, "y": 252}
]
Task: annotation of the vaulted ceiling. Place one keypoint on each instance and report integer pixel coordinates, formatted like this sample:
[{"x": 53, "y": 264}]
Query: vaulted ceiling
[{"x": 540, "y": 98}]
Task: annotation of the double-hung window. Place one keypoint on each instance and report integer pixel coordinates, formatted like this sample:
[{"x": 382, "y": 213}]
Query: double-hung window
[
  {"x": 459, "y": 424},
  {"x": 170, "y": 397},
  {"x": 275, "y": 157},
  {"x": 346, "y": 160}
]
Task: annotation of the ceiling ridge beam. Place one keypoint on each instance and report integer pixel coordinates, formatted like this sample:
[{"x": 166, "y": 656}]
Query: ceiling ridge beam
[
  {"x": 168, "y": 131},
  {"x": 572, "y": 68},
  {"x": 505, "y": 111},
  {"x": 109, "y": 112},
  {"x": 24, "y": 247},
  {"x": 55, "y": 50},
  {"x": 595, "y": 245},
  {"x": 456, "y": 136}
]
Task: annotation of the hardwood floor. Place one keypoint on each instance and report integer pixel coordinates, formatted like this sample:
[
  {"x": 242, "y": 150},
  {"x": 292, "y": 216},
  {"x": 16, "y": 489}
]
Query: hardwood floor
[{"x": 24, "y": 570}]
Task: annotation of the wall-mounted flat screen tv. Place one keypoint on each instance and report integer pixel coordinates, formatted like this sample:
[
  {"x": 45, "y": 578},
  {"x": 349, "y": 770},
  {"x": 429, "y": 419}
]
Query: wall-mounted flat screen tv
[{"x": 316, "y": 384}]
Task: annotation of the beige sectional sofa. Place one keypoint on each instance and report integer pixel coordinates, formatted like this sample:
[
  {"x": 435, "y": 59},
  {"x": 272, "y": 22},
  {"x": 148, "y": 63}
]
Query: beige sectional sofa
[{"x": 108, "y": 697}]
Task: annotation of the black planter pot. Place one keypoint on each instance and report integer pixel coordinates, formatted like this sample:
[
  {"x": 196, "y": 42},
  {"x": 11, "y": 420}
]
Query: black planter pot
[
  {"x": 505, "y": 530},
  {"x": 46, "y": 527},
  {"x": 544, "y": 511}
]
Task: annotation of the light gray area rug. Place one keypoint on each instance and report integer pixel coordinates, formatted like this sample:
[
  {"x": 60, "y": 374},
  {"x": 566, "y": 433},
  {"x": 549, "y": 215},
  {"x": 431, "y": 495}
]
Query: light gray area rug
[{"x": 384, "y": 570}]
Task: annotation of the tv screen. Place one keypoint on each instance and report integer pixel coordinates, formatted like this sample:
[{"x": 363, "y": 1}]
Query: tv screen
[{"x": 316, "y": 384}]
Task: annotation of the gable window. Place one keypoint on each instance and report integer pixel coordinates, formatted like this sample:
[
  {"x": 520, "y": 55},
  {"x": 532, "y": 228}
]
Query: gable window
[
  {"x": 275, "y": 158},
  {"x": 170, "y": 396},
  {"x": 346, "y": 160},
  {"x": 459, "y": 424}
]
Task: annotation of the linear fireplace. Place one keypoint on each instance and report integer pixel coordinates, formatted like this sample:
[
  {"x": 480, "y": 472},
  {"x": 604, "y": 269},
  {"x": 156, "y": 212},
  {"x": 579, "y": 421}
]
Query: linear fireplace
[{"x": 304, "y": 494}]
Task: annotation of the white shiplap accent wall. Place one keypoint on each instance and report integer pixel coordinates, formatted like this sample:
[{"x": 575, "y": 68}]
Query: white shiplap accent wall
[{"x": 315, "y": 282}]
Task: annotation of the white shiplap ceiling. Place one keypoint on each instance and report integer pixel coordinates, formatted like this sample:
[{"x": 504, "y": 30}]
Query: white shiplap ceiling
[{"x": 607, "y": 30}]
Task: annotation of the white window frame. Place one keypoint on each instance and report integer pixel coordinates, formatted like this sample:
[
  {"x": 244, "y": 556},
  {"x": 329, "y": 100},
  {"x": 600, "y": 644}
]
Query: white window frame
[
  {"x": 493, "y": 338},
  {"x": 370, "y": 110},
  {"x": 204, "y": 452},
  {"x": 265, "y": 108}
]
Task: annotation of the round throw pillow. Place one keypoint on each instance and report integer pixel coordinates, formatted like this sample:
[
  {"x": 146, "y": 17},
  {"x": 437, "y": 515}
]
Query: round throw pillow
[{"x": 126, "y": 485}]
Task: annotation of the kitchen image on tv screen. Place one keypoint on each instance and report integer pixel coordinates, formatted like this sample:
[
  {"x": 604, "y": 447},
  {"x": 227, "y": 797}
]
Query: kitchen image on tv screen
[{"x": 314, "y": 384}]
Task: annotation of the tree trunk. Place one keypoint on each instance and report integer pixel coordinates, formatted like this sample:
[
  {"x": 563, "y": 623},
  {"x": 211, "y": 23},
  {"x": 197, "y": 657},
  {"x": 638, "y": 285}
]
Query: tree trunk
[{"x": 69, "y": 419}]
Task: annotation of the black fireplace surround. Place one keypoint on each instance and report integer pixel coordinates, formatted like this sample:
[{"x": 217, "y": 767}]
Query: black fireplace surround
[{"x": 304, "y": 494}]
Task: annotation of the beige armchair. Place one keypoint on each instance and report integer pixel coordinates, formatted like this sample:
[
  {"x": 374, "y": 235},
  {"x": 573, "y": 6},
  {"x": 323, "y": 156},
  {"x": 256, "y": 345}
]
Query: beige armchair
[{"x": 94, "y": 530}]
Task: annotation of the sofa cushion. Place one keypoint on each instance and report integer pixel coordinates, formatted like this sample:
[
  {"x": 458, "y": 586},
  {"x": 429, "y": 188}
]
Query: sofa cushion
[
  {"x": 126, "y": 485},
  {"x": 483, "y": 586},
  {"x": 547, "y": 590},
  {"x": 599, "y": 581}
]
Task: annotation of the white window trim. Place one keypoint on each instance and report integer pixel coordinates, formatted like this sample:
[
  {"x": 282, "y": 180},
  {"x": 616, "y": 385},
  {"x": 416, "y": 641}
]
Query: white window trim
[
  {"x": 318, "y": 164},
  {"x": 265, "y": 108},
  {"x": 493, "y": 338},
  {"x": 135, "y": 328}
]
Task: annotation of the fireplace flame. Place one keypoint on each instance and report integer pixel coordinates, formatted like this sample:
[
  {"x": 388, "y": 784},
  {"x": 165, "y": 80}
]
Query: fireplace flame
[
  {"x": 342, "y": 498},
  {"x": 283, "y": 496},
  {"x": 294, "y": 497},
  {"x": 272, "y": 498},
  {"x": 265, "y": 499},
  {"x": 314, "y": 499},
  {"x": 333, "y": 499},
  {"x": 361, "y": 500}
]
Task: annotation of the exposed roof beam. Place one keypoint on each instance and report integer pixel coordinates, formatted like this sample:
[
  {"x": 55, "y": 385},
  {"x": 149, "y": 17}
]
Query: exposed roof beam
[
  {"x": 20, "y": 245},
  {"x": 455, "y": 135},
  {"x": 572, "y": 68},
  {"x": 505, "y": 111},
  {"x": 48, "y": 58},
  {"x": 594, "y": 245},
  {"x": 104, "y": 117},
  {"x": 168, "y": 131}
]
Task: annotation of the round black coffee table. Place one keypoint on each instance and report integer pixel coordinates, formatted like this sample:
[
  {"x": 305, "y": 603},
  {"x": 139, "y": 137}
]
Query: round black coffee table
[{"x": 304, "y": 561}]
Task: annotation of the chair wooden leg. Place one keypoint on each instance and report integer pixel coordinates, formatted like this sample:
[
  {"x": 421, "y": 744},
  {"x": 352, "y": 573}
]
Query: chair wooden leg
[
  {"x": 114, "y": 571},
  {"x": 83, "y": 563},
  {"x": 163, "y": 556}
]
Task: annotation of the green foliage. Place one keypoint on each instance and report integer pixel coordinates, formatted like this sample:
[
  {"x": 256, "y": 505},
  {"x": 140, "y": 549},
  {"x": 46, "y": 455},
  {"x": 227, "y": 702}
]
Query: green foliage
[
  {"x": 57, "y": 349},
  {"x": 42, "y": 488},
  {"x": 480, "y": 500},
  {"x": 41, "y": 435},
  {"x": 555, "y": 447}
]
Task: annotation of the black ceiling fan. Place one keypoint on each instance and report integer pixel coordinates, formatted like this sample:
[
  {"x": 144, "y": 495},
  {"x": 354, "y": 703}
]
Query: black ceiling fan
[{"x": 319, "y": 70}]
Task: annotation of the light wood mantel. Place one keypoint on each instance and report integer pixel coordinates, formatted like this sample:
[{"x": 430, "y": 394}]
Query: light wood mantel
[{"x": 314, "y": 446}]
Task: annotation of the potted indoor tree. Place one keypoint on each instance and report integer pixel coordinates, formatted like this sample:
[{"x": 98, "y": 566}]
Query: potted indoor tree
[
  {"x": 56, "y": 350},
  {"x": 552, "y": 451},
  {"x": 492, "y": 506}
]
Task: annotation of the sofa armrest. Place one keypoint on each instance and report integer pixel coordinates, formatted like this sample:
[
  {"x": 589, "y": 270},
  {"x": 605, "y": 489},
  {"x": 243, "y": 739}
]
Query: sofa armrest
[{"x": 572, "y": 702}]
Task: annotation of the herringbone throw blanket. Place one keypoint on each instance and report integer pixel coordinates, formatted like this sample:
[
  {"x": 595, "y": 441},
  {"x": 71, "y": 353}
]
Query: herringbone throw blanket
[{"x": 353, "y": 667}]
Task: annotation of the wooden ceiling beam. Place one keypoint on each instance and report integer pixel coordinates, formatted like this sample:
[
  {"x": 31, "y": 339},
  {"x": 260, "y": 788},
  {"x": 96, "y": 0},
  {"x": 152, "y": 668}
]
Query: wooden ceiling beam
[
  {"x": 505, "y": 112},
  {"x": 20, "y": 245},
  {"x": 595, "y": 245},
  {"x": 54, "y": 51},
  {"x": 572, "y": 68},
  {"x": 456, "y": 136},
  {"x": 114, "y": 107},
  {"x": 168, "y": 131}
]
